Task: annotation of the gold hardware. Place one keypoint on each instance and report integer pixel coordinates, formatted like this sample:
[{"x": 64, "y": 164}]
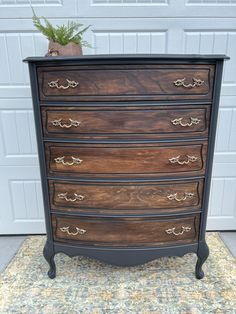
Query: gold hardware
[
  {"x": 178, "y": 121},
  {"x": 77, "y": 197},
  {"x": 173, "y": 160},
  {"x": 172, "y": 231},
  {"x": 78, "y": 231},
  {"x": 75, "y": 161},
  {"x": 64, "y": 125},
  {"x": 181, "y": 82},
  {"x": 174, "y": 196},
  {"x": 54, "y": 84}
]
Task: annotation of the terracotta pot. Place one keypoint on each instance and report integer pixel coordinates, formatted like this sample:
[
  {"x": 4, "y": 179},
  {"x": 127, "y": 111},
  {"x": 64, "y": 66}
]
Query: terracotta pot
[{"x": 71, "y": 49}]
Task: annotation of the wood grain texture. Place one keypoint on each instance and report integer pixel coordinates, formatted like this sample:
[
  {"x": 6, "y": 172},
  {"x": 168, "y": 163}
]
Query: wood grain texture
[
  {"x": 125, "y": 82},
  {"x": 125, "y": 231},
  {"x": 126, "y": 197},
  {"x": 125, "y": 122},
  {"x": 127, "y": 160}
]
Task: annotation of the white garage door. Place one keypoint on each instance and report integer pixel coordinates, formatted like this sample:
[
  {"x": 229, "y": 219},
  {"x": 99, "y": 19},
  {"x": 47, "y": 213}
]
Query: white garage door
[{"x": 118, "y": 26}]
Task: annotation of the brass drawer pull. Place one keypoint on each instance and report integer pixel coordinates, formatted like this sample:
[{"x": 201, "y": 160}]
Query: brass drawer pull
[
  {"x": 178, "y": 121},
  {"x": 195, "y": 83},
  {"x": 77, "y": 197},
  {"x": 54, "y": 84},
  {"x": 172, "y": 231},
  {"x": 175, "y": 197},
  {"x": 174, "y": 160},
  {"x": 78, "y": 231},
  {"x": 64, "y": 125},
  {"x": 75, "y": 161}
]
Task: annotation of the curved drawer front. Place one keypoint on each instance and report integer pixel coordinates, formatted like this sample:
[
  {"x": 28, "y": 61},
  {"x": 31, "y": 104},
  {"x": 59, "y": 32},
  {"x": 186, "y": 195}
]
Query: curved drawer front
[
  {"x": 126, "y": 231},
  {"x": 126, "y": 160},
  {"x": 159, "y": 121},
  {"x": 126, "y": 82},
  {"x": 126, "y": 198}
]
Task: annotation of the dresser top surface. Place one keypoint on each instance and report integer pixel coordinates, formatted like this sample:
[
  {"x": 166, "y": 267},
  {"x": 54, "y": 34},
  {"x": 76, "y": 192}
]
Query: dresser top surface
[{"x": 124, "y": 57}]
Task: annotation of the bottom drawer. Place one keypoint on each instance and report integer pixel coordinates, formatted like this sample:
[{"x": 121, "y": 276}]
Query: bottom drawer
[{"x": 126, "y": 231}]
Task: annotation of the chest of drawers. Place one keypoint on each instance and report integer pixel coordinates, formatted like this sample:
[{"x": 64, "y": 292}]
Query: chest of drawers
[{"x": 125, "y": 147}]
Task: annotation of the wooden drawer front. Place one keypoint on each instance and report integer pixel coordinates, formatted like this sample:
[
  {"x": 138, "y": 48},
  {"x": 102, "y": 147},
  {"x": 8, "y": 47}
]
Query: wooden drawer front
[
  {"x": 126, "y": 231},
  {"x": 133, "y": 160},
  {"x": 74, "y": 122},
  {"x": 136, "y": 82},
  {"x": 126, "y": 197}
]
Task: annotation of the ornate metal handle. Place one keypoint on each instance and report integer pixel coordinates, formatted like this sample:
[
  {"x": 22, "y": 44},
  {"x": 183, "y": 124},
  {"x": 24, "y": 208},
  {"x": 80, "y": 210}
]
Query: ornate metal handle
[
  {"x": 77, "y": 197},
  {"x": 78, "y": 231},
  {"x": 172, "y": 231},
  {"x": 64, "y": 125},
  {"x": 175, "y": 197},
  {"x": 75, "y": 161},
  {"x": 174, "y": 160},
  {"x": 195, "y": 83},
  {"x": 178, "y": 121},
  {"x": 55, "y": 84}
]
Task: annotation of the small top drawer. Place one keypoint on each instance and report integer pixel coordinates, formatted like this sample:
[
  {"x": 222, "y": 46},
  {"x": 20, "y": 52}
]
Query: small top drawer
[{"x": 125, "y": 82}]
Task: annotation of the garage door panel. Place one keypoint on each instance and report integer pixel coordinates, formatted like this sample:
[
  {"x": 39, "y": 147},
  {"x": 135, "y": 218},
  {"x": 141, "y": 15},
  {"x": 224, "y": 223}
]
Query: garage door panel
[
  {"x": 222, "y": 217},
  {"x": 21, "y": 209},
  {"x": 52, "y": 8},
  {"x": 127, "y": 41},
  {"x": 225, "y": 168},
  {"x": 27, "y": 195},
  {"x": 222, "y": 190},
  {"x": 18, "y": 140},
  {"x": 226, "y": 131},
  {"x": 14, "y": 48},
  {"x": 125, "y": 8},
  {"x": 156, "y": 8}
]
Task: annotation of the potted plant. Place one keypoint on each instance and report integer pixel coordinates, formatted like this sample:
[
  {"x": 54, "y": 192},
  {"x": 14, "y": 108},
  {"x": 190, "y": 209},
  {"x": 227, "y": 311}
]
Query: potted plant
[{"x": 64, "y": 40}]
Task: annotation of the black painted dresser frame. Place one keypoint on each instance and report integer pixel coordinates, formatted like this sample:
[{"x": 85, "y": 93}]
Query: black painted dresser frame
[{"x": 126, "y": 256}]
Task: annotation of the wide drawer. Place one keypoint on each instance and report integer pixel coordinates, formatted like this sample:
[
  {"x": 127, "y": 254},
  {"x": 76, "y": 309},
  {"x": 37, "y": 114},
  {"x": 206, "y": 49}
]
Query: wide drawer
[
  {"x": 156, "y": 159},
  {"x": 126, "y": 231},
  {"x": 126, "y": 122},
  {"x": 126, "y": 197},
  {"x": 126, "y": 82}
]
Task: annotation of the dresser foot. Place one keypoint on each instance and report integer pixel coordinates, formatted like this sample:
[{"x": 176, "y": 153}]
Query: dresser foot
[
  {"x": 49, "y": 254},
  {"x": 52, "y": 272},
  {"x": 202, "y": 254}
]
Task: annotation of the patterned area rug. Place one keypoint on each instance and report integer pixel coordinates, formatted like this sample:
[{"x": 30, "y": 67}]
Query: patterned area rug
[{"x": 82, "y": 285}]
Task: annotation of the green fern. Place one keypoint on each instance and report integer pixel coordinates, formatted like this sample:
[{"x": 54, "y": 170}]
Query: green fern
[{"x": 63, "y": 34}]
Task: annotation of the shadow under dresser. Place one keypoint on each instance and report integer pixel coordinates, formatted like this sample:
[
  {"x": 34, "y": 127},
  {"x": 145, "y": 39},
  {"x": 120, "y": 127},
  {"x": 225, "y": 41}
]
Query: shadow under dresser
[{"x": 125, "y": 147}]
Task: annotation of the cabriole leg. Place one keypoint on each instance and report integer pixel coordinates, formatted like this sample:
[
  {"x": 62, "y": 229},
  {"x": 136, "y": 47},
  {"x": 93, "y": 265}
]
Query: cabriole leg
[
  {"x": 49, "y": 254},
  {"x": 202, "y": 254}
]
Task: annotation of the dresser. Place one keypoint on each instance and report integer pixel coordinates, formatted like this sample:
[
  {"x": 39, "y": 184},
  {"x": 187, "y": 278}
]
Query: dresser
[{"x": 125, "y": 145}]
